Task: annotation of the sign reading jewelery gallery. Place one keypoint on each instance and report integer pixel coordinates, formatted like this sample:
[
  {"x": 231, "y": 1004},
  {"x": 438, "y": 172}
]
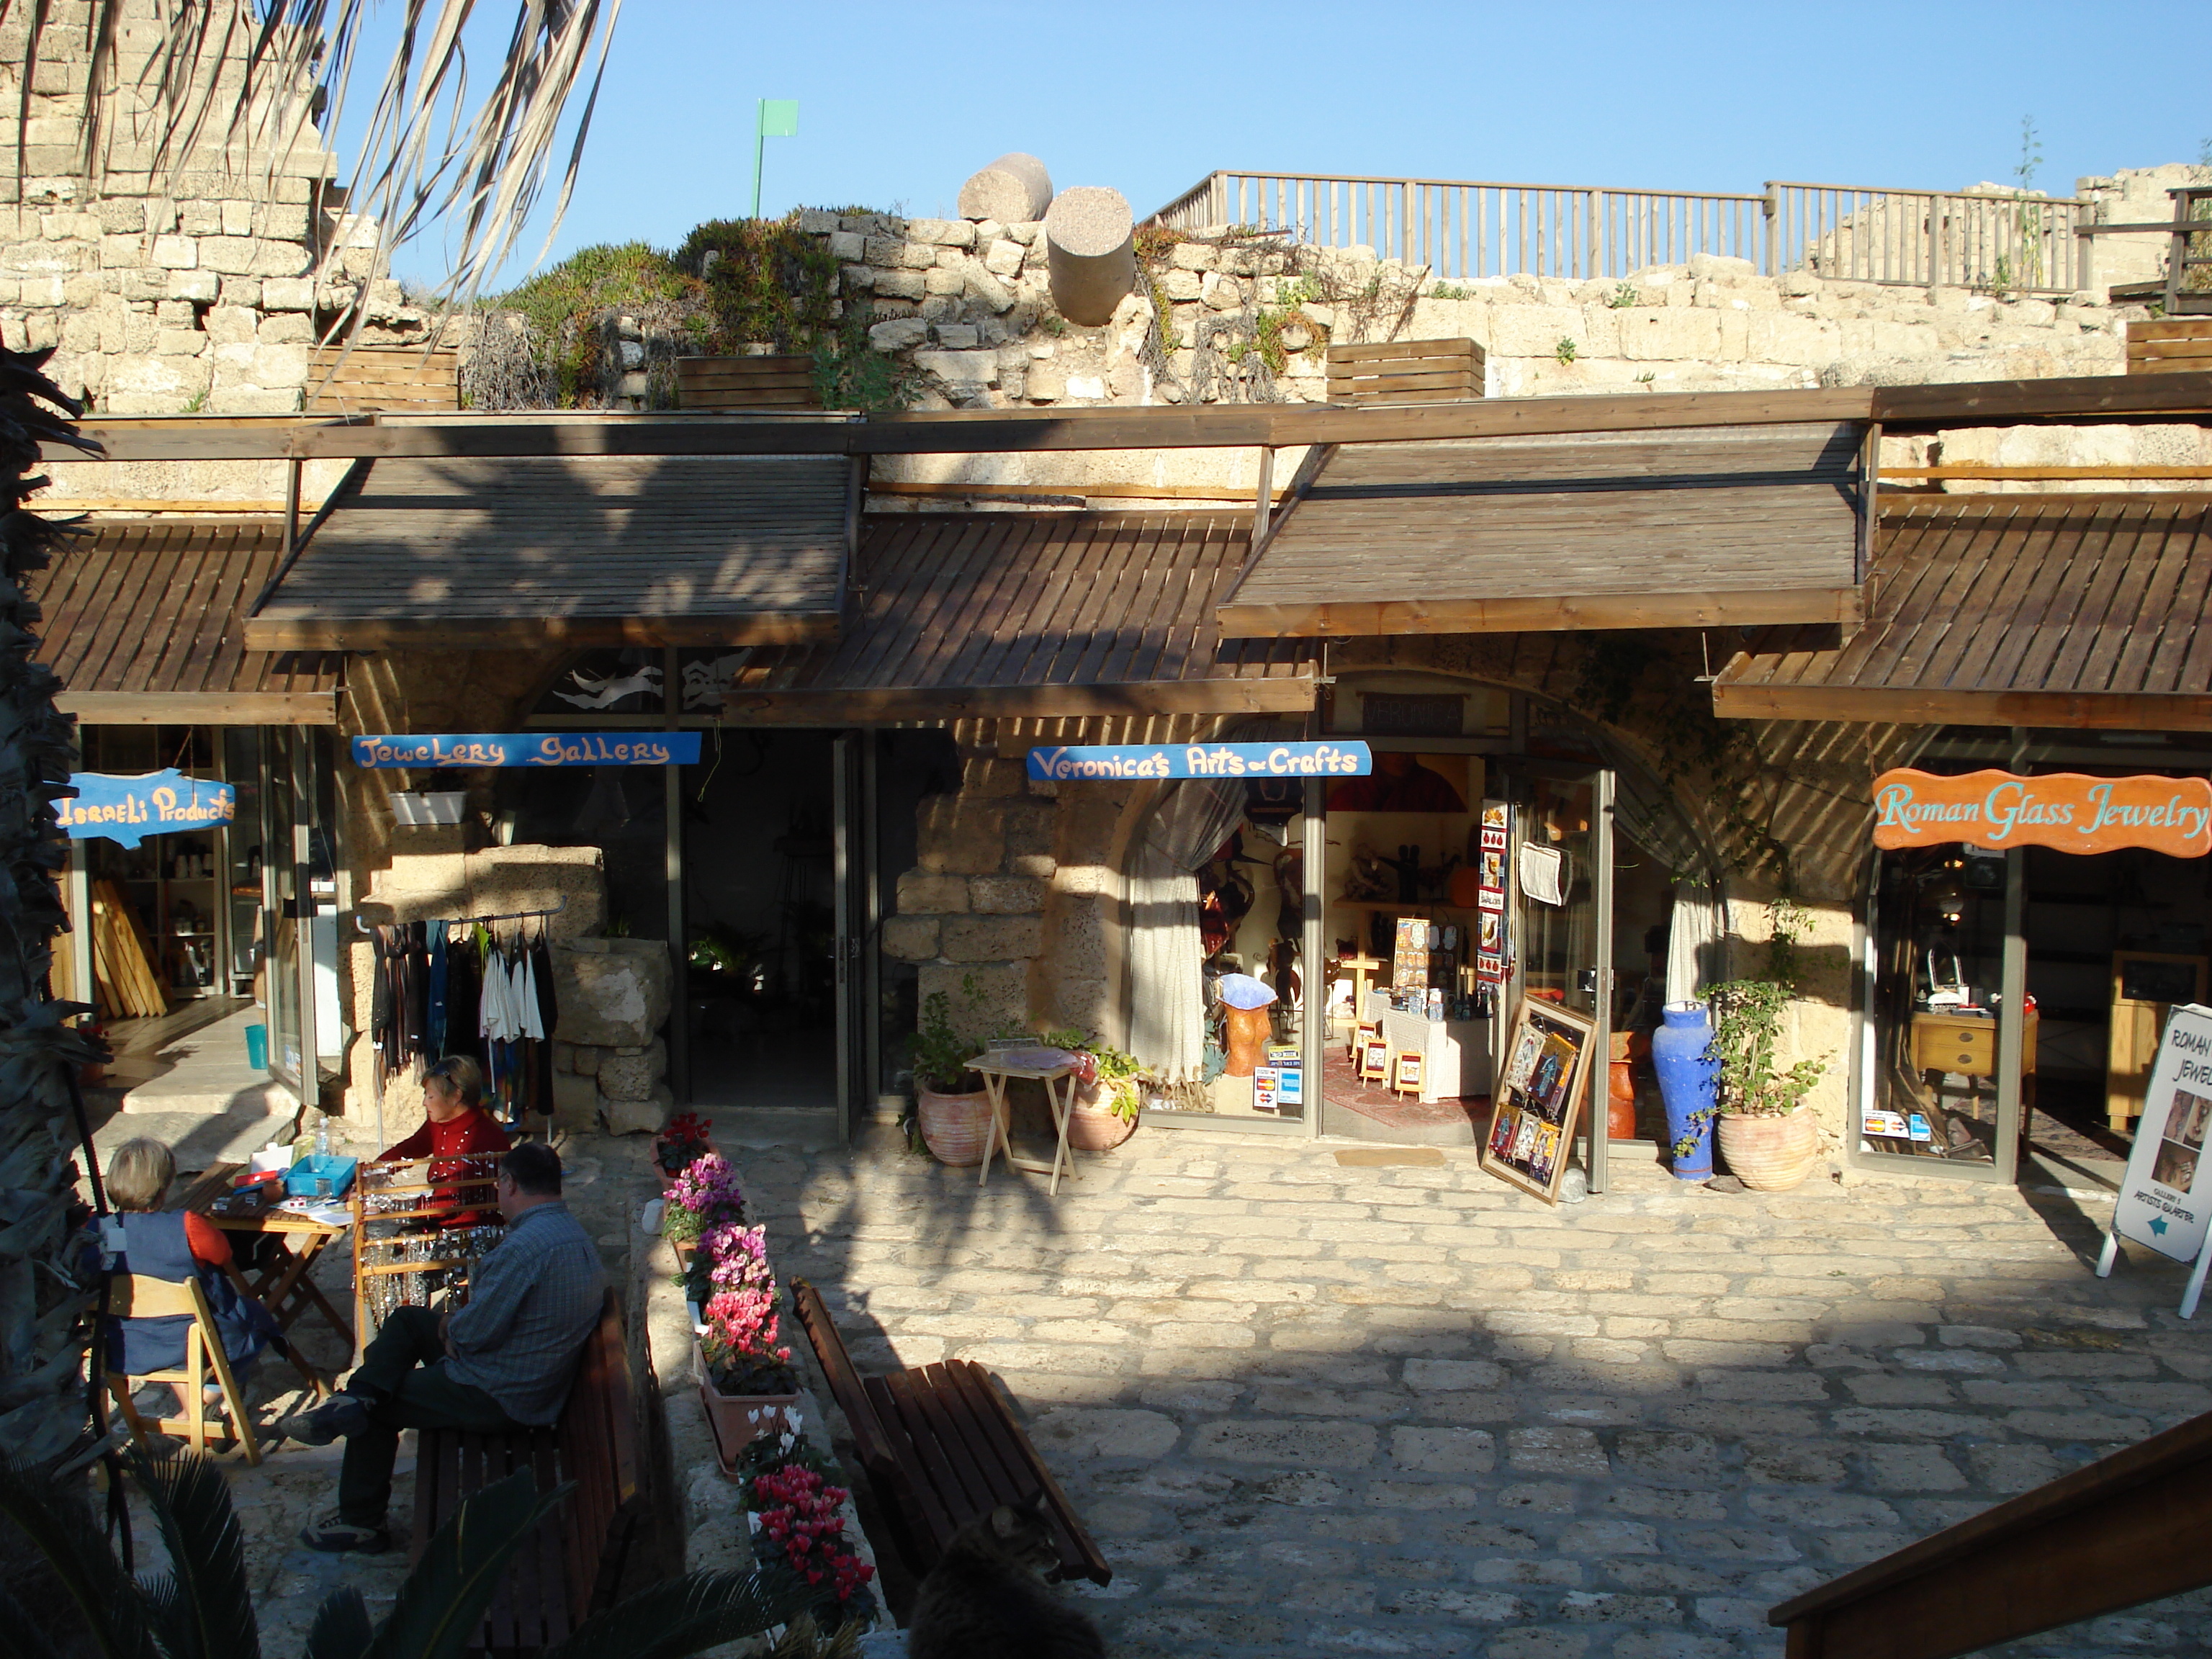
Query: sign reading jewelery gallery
[
  {"x": 450, "y": 749},
  {"x": 129, "y": 809},
  {"x": 2063, "y": 810},
  {"x": 1201, "y": 760}
]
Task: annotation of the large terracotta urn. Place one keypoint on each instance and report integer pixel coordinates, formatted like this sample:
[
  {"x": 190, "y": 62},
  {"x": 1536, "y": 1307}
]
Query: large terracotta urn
[
  {"x": 954, "y": 1127},
  {"x": 1770, "y": 1154},
  {"x": 1092, "y": 1123}
]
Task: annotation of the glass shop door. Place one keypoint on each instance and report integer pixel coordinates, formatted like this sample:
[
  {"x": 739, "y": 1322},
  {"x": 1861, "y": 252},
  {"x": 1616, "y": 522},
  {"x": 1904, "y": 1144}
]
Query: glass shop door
[{"x": 1559, "y": 915}]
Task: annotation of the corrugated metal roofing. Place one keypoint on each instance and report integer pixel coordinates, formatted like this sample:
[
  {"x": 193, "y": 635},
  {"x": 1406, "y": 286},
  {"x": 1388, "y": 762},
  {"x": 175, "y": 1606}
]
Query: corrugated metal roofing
[
  {"x": 1035, "y": 614},
  {"x": 2005, "y": 609},
  {"x": 143, "y": 624},
  {"x": 587, "y": 551},
  {"x": 1675, "y": 527}
]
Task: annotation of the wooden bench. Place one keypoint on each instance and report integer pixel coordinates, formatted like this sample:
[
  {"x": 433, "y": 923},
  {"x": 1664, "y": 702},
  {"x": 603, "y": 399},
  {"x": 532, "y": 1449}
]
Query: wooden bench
[
  {"x": 1405, "y": 372},
  {"x": 572, "y": 1565},
  {"x": 745, "y": 383},
  {"x": 372, "y": 379},
  {"x": 941, "y": 1447}
]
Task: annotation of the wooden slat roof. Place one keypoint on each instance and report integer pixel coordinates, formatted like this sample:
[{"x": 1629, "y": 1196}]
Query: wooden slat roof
[
  {"x": 1681, "y": 527},
  {"x": 584, "y": 551},
  {"x": 2003, "y": 610},
  {"x": 1034, "y": 614},
  {"x": 143, "y": 624}
]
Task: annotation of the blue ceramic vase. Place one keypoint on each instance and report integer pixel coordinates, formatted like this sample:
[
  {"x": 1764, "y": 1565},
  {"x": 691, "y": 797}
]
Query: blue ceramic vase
[{"x": 1688, "y": 1085}]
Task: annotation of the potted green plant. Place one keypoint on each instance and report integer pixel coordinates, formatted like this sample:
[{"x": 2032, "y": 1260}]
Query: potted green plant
[
  {"x": 1768, "y": 1137},
  {"x": 950, "y": 1105},
  {"x": 1103, "y": 1112}
]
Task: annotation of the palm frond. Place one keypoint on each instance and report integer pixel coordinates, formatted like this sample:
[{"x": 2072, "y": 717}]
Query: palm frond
[
  {"x": 342, "y": 1629},
  {"x": 203, "y": 1606},
  {"x": 444, "y": 1598},
  {"x": 683, "y": 1616},
  {"x": 60, "y": 1530},
  {"x": 22, "y": 1636}
]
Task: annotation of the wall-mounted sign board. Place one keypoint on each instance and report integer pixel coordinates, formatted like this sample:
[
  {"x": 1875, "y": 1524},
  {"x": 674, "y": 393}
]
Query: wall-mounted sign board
[
  {"x": 129, "y": 809},
  {"x": 448, "y": 749},
  {"x": 1201, "y": 760},
  {"x": 2063, "y": 810}
]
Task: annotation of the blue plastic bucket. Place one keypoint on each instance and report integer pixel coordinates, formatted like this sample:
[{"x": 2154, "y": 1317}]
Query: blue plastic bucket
[{"x": 257, "y": 1047}]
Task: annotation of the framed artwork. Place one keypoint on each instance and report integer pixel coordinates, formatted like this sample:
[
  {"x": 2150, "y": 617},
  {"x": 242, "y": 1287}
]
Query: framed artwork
[{"x": 1546, "y": 1075}]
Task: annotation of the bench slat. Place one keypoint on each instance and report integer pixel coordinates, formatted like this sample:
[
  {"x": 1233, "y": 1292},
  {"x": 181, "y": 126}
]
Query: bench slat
[
  {"x": 1089, "y": 1563},
  {"x": 1007, "y": 1483},
  {"x": 917, "y": 1483},
  {"x": 932, "y": 1429},
  {"x": 868, "y": 1437}
]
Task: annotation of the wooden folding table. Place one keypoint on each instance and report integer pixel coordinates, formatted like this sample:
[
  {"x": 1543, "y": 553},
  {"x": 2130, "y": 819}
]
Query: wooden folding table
[{"x": 999, "y": 1069}]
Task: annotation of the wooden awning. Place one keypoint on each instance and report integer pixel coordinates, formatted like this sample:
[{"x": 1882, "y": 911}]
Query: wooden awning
[
  {"x": 143, "y": 624},
  {"x": 2061, "y": 611},
  {"x": 1012, "y": 614},
  {"x": 1673, "y": 528},
  {"x": 577, "y": 551}
]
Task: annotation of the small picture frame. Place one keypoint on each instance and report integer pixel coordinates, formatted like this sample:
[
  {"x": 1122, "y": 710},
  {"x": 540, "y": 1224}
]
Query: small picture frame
[
  {"x": 1546, "y": 1075},
  {"x": 1405, "y": 1073},
  {"x": 1375, "y": 1062},
  {"x": 1363, "y": 1033}
]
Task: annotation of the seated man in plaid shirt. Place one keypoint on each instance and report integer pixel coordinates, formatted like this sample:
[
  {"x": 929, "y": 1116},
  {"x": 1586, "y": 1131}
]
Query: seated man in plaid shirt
[{"x": 503, "y": 1363}]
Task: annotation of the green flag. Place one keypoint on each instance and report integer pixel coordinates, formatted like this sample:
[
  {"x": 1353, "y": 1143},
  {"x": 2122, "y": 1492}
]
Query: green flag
[{"x": 779, "y": 119}]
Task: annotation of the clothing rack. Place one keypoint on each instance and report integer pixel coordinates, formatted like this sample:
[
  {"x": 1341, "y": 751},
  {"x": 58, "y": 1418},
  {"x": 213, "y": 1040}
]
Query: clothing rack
[{"x": 369, "y": 929}]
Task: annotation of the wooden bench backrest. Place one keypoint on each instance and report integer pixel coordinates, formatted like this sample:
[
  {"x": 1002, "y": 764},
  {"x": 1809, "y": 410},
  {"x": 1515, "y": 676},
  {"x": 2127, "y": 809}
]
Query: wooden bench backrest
[
  {"x": 745, "y": 383},
  {"x": 1405, "y": 372},
  {"x": 402, "y": 380},
  {"x": 874, "y": 1446}
]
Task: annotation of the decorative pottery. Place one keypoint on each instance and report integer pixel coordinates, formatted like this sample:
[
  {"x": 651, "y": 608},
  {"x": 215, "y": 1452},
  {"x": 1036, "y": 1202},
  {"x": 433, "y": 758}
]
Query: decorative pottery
[
  {"x": 1247, "y": 1030},
  {"x": 1688, "y": 1085},
  {"x": 1620, "y": 1101},
  {"x": 1770, "y": 1154},
  {"x": 1092, "y": 1126},
  {"x": 954, "y": 1126},
  {"x": 738, "y": 1420}
]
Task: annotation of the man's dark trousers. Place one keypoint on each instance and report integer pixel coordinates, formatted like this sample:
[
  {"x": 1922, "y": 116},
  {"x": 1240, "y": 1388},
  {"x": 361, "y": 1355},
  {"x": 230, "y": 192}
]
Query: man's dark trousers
[{"x": 403, "y": 1378}]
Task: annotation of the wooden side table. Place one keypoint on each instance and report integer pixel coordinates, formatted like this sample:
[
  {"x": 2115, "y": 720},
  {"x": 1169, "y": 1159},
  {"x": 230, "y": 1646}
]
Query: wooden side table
[{"x": 997, "y": 1071}]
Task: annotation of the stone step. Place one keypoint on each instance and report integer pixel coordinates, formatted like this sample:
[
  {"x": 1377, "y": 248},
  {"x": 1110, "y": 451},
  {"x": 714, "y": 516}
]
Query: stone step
[{"x": 189, "y": 1091}]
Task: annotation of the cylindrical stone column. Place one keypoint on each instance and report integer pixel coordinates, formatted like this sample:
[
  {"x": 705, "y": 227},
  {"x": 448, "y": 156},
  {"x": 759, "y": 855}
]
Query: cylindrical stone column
[
  {"x": 1089, "y": 253},
  {"x": 1014, "y": 189}
]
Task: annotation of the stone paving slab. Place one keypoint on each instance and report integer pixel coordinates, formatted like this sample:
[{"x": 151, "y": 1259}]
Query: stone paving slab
[{"x": 1310, "y": 1409}]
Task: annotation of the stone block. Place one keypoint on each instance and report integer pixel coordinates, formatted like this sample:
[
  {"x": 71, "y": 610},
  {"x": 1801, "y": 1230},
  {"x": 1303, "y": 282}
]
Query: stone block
[
  {"x": 899, "y": 284},
  {"x": 1533, "y": 331},
  {"x": 1004, "y": 258},
  {"x": 1444, "y": 1451},
  {"x": 923, "y": 894},
  {"x": 898, "y": 334},
  {"x": 41, "y": 291},
  {"x": 1286, "y": 1444},
  {"x": 179, "y": 343},
  {"x": 1047, "y": 383},
  {"x": 957, "y": 836},
  {"x": 1005, "y": 895},
  {"x": 639, "y": 1117},
  {"x": 939, "y": 280},
  {"x": 289, "y": 328},
  {"x": 274, "y": 258},
  {"x": 890, "y": 253},
  {"x": 1675, "y": 333},
  {"x": 848, "y": 246},
  {"x": 584, "y": 1058},
  {"x": 817, "y": 221},
  {"x": 280, "y": 365},
  {"x": 231, "y": 325},
  {"x": 615, "y": 998},
  {"x": 957, "y": 336},
  {"x": 631, "y": 1077},
  {"x": 575, "y": 1100},
  {"x": 199, "y": 287},
  {"x": 960, "y": 369},
  {"x": 288, "y": 294},
  {"x": 177, "y": 252},
  {"x": 992, "y": 939},
  {"x": 122, "y": 216},
  {"x": 941, "y": 232},
  {"x": 987, "y": 290},
  {"x": 1003, "y": 988},
  {"x": 230, "y": 253},
  {"x": 910, "y": 939}
]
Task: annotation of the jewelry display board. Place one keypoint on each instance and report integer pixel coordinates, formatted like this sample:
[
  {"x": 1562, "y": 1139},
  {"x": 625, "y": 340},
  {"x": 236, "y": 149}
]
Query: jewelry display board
[{"x": 1532, "y": 1132}]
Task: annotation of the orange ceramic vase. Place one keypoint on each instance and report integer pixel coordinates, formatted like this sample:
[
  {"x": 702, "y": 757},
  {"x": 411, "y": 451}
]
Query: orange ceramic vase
[{"x": 1621, "y": 1102}]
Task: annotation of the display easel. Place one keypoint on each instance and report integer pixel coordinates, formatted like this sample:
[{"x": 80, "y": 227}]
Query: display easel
[
  {"x": 400, "y": 1238},
  {"x": 1532, "y": 1132}
]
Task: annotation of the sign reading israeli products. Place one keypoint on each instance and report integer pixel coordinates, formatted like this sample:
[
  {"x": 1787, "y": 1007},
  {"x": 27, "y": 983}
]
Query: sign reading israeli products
[
  {"x": 129, "y": 809},
  {"x": 443, "y": 749},
  {"x": 2065, "y": 810},
  {"x": 1202, "y": 760},
  {"x": 2164, "y": 1201}
]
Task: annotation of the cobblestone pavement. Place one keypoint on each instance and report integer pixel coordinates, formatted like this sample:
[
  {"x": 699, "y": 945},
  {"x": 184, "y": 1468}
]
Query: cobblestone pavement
[
  {"x": 607, "y": 1180},
  {"x": 1313, "y": 1409}
]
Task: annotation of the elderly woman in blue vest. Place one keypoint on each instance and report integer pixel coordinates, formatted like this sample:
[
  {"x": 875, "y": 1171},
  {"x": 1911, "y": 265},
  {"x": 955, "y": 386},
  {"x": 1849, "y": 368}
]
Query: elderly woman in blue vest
[{"x": 156, "y": 1242}]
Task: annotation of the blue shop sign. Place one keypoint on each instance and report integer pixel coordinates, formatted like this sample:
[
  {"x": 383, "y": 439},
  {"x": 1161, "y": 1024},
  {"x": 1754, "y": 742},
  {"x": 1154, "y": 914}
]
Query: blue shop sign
[
  {"x": 129, "y": 809},
  {"x": 1202, "y": 760},
  {"x": 448, "y": 748}
]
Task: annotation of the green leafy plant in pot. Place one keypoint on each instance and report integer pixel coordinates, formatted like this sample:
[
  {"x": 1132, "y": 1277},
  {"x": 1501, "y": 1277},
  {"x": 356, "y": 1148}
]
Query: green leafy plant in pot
[
  {"x": 950, "y": 1106},
  {"x": 1768, "y": 1139}
]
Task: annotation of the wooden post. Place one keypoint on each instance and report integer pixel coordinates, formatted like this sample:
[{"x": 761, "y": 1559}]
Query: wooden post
[{"x": 1264, "y": 499}]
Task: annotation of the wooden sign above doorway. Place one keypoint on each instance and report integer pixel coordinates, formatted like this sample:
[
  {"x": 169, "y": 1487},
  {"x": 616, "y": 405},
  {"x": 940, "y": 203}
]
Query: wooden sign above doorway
[{"x": 2065, "y": 810}]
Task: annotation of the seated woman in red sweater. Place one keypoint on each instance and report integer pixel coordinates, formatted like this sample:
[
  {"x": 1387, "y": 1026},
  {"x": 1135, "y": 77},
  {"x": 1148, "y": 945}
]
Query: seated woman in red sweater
[{"x": 458, "y": 1126}]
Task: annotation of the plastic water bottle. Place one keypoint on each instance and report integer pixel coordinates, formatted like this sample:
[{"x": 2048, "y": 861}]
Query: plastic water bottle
[{"x": 322, "y": 1135}]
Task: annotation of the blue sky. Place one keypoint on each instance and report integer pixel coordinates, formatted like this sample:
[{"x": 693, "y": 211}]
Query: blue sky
[{"x": 899, "y": 103}]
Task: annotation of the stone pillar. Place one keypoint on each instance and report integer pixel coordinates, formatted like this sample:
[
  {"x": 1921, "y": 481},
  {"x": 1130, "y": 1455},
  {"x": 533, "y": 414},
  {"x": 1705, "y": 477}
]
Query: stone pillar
[
  {"x": 1014, "y": 190},
  {"x": 1089, "y": 253},
  {"x": 616, "y": 995}
]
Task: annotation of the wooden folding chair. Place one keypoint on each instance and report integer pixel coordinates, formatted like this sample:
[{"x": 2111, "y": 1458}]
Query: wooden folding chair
[{"x": 135, "y": 1296}]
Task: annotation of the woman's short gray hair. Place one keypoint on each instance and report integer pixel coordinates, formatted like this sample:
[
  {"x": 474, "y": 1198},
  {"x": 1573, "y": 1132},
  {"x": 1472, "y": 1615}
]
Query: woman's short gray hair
[{"x": 140, "y": 1173}]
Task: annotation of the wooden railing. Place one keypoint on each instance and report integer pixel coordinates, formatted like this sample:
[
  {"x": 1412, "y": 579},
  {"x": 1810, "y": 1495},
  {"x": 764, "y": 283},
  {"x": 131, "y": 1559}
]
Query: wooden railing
[
  {"x": 2133, "y": 1528},
  {"x": 1463, "y": 230}
]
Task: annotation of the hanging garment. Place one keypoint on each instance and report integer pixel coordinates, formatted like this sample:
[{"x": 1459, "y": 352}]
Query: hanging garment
[
  {"x": 463, "y": 993},
  {"x": 433, "y": 1034},
  {"x": 548, "y": 1021}
]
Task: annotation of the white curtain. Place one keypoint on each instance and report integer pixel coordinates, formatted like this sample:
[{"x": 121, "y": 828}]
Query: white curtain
[
  {"x": 1695, "y": 941},
  {"x": 1167, "y": 993}
]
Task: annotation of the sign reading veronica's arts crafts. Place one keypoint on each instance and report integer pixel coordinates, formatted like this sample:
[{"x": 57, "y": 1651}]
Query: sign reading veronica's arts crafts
[
  {"x": 2164, "y": 1199},
  {"x": 1202, "y": 760},
  {"x": 129, "y": 809},
  {"x": 436, "y": 749},
  {"x": 2065, "y": 810}
]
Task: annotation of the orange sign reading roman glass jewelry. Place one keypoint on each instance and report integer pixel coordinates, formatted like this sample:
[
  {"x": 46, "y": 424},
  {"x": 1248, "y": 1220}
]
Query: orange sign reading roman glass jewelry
[{"x": 2065, "y": 809}]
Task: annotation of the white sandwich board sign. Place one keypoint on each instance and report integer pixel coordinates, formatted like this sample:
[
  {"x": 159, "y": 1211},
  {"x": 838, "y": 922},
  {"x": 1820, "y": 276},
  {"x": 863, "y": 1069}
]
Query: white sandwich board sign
[{"x": 2166, "y": 1200}]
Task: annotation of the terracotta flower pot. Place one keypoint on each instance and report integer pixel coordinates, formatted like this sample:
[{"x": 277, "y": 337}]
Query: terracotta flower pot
[
  {"x": 1092, "y": 1126},
  {"x": 954, "y": 1126},
  {"x": 1620, "y": 1101},
  {"x": 1770, "y": 1154},
  {"x": 738, "y": 1420}
]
